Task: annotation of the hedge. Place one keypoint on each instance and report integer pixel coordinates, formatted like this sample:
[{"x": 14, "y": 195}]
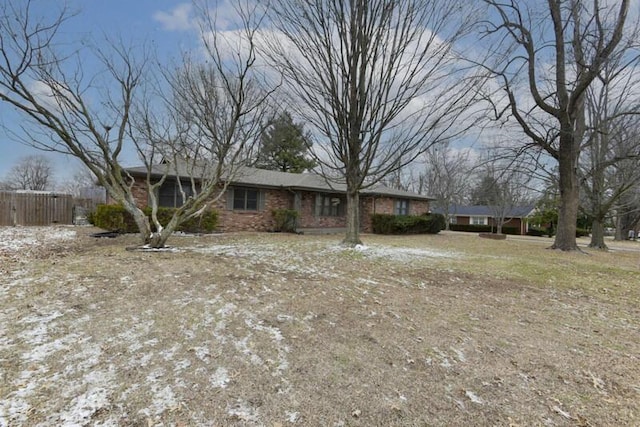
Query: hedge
[
  {"x": 582, "y": 232},
  {"x": 407, "y": 224},
  {"x": 116, "y": 218},
  {"x": 482, "y": 229},
  {"x": 538, "y": 232}
]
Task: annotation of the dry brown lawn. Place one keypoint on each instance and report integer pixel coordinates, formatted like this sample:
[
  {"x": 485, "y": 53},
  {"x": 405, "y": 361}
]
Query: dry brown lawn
[{"x": 279, "y": 330}]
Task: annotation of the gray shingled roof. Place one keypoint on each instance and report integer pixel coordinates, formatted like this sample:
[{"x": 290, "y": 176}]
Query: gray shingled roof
[
  {"x": 276, "y": 179},
  {"x": 483, "y": 210}
]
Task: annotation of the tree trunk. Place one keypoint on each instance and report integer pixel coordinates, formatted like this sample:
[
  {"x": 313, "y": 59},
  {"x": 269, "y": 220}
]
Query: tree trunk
[
  {"x": 597, "y": 234},
  {"x": 352, "y": 237},
  {"x": 141, "y": 220},
  {"x": 159, "y": 238},
  {"x": 569, "y": 194},
  {"x": 447, "y": 219}
]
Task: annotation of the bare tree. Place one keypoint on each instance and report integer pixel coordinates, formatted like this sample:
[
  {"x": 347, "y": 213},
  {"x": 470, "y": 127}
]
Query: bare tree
[
  {"x": 446, "y": 177},
  {"x": 81, "y": 179},
  {"x": 560, "y": 48},
  {"x": 31, "y": 173},
  {"x": 627, "y": 213},
  {"x": 216, "y": 109},
  {"x": 48, "y": 84},
  {"x": 377, "y": 80},
  {"x": 45, "y": 81},
  {"x": 609, "y": 165}
]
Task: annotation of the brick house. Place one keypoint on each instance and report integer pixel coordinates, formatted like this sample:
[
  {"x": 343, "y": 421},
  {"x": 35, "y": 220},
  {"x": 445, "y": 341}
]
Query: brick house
[
  {"x": 483, "y": 215},
  {"x": 253, "y": 194}
]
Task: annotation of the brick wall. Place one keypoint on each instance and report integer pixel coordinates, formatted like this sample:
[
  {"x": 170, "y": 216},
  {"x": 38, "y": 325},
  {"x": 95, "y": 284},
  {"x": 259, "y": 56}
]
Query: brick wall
[
  {"x": 139, "y": 192},
  {"x": 233, "y": 220},
  {"x": 386, "y": 205},
  {"x": 308, "y": 218}
]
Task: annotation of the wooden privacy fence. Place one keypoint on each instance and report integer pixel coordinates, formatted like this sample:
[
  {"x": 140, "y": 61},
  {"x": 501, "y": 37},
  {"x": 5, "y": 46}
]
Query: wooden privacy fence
[{"x": 35, "y": 208}]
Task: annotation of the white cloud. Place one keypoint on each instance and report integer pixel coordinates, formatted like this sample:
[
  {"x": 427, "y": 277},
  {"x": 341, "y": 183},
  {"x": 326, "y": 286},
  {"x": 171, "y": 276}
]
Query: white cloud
[{"x": 178, "y": 19}]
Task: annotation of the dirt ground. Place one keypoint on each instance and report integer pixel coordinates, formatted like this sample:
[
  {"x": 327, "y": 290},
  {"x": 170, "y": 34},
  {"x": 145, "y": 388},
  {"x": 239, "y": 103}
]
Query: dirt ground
[{"x": 279, "y": 330}]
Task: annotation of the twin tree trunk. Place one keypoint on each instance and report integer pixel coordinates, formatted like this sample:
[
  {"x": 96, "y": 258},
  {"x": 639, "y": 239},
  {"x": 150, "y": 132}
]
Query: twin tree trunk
[{"x": 148, "y": 238}]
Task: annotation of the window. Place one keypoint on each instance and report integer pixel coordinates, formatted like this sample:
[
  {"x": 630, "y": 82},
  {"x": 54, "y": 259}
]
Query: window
[
  {"x": 245, "y": 199},
  {"x": 169, "y": 195},
  {"x": 479, "y": 220},
  {"x": 402, "y": 207},
  {"x": 330, "y": 205}
]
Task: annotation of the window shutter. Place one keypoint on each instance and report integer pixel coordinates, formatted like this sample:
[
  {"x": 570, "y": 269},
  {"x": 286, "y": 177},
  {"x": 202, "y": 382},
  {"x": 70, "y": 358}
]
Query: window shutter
[
  {"x": 261, "y": 197},
  {"x": 318, "y": 209},
  {"x": 229, "y": 198}
]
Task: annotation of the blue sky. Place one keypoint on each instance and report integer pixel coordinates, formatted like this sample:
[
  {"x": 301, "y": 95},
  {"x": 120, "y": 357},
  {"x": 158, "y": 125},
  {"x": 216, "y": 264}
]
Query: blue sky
[{"x": 160, "y": 23}]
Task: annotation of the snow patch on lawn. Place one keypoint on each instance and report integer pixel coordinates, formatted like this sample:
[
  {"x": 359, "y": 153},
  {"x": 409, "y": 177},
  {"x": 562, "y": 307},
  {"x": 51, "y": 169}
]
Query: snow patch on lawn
[
  {"x": 243, "y": 411},
  {"x": 277, "y": 339},
  {"x": 281, "y": 260},
  {"x": 99, "y": 385},
  {"x": 15, "y": 239},
  {"x": 220, "y": 378},
  {"x": 397, "y": 253}
]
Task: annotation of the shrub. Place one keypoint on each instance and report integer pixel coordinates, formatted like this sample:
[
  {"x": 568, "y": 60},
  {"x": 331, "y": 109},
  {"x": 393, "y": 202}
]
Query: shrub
[
  {"x": 582, "y": 232},
  {"x": 471, "y": 228},
  {"x": 91, "y": 217},
  {"x": 439, "y": 222},
  {"x": 116, "y": 218},
  {"x": 382, "y": 224},
  {"x": 538, "y": 232},
  {"x": 406, "y": 224},
  {"x": 483, "y": 229},
  {"x": 285, "y": 220},
  {"x": 510, "y": 230}
]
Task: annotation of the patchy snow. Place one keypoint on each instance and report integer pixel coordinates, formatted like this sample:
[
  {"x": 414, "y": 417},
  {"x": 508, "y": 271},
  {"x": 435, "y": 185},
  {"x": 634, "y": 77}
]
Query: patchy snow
[
  {"x": 292, "y": 417},
  {"x": 220, "y": 378},
  {"x": 266, "y": 251},
  {"x": 397, "y": 253},
  {"x": 473, "y": 397},
  {"x": 243, "y": 411},
  {"x": 15, "y": 239},
  {"x": 82, "y": 407},
  {"x": 277, "y": 338},
  {"x": 88, "y": 376}
]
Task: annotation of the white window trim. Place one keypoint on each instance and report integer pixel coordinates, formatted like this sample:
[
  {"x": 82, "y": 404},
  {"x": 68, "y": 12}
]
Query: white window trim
[{"x": 485, "y": 220}]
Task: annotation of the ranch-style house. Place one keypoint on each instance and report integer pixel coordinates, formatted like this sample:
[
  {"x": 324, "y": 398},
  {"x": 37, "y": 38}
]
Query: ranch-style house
[{"x": 253, "y": 194}]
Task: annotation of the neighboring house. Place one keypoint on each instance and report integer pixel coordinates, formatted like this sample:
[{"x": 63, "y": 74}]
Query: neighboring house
[
  {"x": 253, "y": 194},
  {"x": 484, "y": 215}
]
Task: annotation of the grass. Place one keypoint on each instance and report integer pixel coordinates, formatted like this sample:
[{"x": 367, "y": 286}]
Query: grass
[{"x": 276, "y": 329}]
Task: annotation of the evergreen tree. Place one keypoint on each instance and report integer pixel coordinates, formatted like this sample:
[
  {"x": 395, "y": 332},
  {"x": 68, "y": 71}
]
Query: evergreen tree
[{"x": 283, "y": 146}]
